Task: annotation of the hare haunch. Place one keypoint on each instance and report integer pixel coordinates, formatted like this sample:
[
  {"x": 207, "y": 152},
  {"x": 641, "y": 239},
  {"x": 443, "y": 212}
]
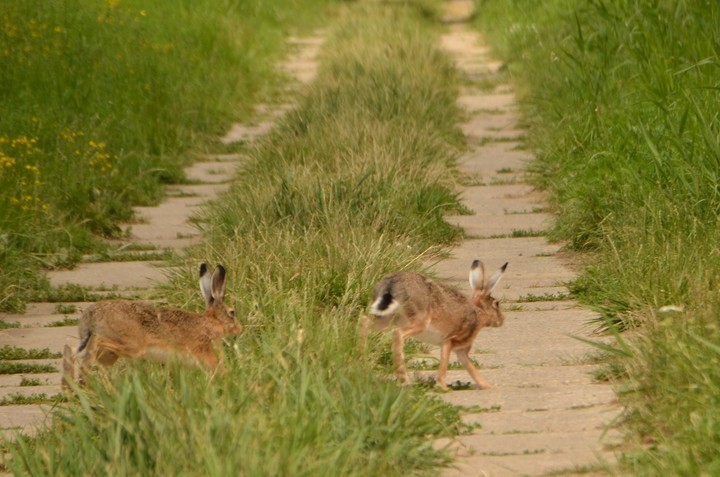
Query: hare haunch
[
  {"x": 416, "y": 306},
  {"x": 113, "y": 329}
]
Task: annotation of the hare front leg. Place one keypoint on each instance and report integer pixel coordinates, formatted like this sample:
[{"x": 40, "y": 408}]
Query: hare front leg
[
  {"x": 399, "y": 356},
  {"x": 462, "y": 355},
  {"x": 69, "y": 365},
  {"x": 445, "y": 349},
  {"x": 365, "y": 323}
]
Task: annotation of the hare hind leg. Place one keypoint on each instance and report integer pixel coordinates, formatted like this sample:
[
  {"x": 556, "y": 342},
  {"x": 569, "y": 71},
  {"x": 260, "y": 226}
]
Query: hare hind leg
[
  {"x": 106, "y": 351},
  {"x": 398, "y": 348},
  {"x": 369, "y": 322},
  {"x": 462, "y": 355}
]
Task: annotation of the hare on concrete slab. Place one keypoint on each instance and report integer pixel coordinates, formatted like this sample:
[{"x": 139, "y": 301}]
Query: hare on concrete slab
[
  {"x": 112, "y": 329},
  {"x": 414, "y": 305}
]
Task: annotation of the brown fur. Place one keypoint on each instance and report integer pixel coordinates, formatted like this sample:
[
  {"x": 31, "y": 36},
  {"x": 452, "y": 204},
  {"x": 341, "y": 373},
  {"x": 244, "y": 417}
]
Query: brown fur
[
  {"x": 113, "y": 329},
  {"x": 416, "y": 306}
]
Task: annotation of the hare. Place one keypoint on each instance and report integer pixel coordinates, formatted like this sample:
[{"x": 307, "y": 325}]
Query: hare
[
  {"x": 414, "y": 305},
  {"x": 120, "y": 328}
]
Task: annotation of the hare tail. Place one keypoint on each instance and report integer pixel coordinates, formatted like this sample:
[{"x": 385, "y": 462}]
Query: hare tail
[{"x": 385, "y": 304}]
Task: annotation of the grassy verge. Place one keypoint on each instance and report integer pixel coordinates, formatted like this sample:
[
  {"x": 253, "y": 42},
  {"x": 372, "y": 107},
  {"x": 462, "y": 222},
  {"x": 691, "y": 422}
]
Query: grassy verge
[
  {"x": 102, "y": 102},
  {"x": 622, "y": 98},
  {"x": 352, "y": 184}
]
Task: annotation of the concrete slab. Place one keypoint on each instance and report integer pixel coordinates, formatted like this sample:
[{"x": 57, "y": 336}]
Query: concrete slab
[
  {"x": 8, "y": 392},
  {"x": 25, "y": 419},
  {"x": 572, "y": 419},
  {"x": 491, "y": 225},
  {"x": 110, "y": 275},
  {"x": 10, "y": 380},
  {"x": 40, "y": 314},
  {"x": 493, "y": 163},
  {"x": 454, "y": 11},
  {"x": 545, "y": 400},
  {"x": 240, "y": 132},
  {"x": 167, "y": 226},
  {"x": 478, "y": 102},
  {"x": 488, "y": 124},
  {"x": 53, "y": 338},
  {"x": 212, "y": 172}
]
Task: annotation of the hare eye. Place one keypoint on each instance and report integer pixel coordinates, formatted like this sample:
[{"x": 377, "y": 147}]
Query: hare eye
[{"x": 231, "y": 313}]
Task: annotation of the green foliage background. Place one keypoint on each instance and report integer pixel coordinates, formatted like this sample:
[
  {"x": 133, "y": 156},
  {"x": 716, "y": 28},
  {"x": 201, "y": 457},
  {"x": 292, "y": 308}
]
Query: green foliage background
[{"x": 622, "y": 99}]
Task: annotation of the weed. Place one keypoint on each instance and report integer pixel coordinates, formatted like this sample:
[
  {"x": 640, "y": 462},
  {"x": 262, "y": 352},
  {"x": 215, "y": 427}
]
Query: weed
[
  {"x": 67, "y": 321},
  {"x": 7, "y": 367},
  {"x": 65, "y": 309},
  {"x": 531, "y": 298},
  {"x": 30, "y": 381},
  {"x": 476, "y": 409},
  {"x": 13, "y": 353},
  {"x": 5, "y": 324},
  {"x": 15, "y": 399}
]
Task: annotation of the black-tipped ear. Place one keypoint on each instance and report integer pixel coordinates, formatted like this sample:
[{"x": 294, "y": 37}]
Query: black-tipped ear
[
  {"x": 495, "y": 278},
  {"x": 218, "y": 283},
  {"x": 477, "y": 275}
]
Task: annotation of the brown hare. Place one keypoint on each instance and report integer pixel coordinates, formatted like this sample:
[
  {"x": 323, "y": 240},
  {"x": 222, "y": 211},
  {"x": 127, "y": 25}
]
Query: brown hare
[
  {"x": 113, "y": 329},
  {"x": 416, "y": 306}
]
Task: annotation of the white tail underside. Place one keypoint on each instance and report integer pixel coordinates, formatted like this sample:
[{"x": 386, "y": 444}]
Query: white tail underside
[{"x": 391, "y": 309}]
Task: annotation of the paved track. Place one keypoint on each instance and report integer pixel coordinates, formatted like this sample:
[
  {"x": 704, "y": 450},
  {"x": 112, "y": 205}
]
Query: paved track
[{"x": 546, "y": 413}]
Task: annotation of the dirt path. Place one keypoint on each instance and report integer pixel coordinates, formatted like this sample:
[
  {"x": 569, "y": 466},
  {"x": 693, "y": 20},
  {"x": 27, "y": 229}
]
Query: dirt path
[
  {"x": 546, "y": 413},
  {"x": 166, "y": 226}
]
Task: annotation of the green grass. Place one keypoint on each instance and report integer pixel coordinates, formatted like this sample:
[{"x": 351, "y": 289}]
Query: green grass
[
  {"x": 117, "y": 95},
  {"x": 284, "y": 419},
  {"x": 30, "y": 381},
  {"x": 352, "y": 184},
  {"x": 622, "y": 103}
]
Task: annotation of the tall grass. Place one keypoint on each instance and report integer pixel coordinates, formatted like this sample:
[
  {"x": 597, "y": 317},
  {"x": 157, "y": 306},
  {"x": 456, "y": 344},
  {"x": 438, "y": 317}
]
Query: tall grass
[
  {"x": 353, "y": 183},
  {"x": 103, "y": 102},
  {"x": 623, "y": 101}
]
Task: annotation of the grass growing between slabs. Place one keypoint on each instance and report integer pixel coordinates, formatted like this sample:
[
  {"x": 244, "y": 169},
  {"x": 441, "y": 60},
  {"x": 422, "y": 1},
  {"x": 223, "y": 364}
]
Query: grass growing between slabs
[
  {"x": 101, "y": 103},
  {"x": 622, "y": 100},
  {"x": 350, "y": 185}
]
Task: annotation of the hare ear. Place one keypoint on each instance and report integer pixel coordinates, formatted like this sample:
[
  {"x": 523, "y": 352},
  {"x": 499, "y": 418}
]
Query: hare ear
[
  {"x": 218, "y": 284},
  {"x": 477, "y": 275},
  {"x": 205, "y": 283},
  {"x": 495, "y": 278}
]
